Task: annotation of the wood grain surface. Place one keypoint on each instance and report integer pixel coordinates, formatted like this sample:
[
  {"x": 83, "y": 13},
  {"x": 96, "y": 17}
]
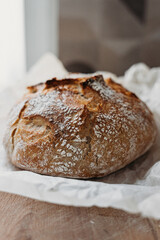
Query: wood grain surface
[{"x": 26, "y": 219}]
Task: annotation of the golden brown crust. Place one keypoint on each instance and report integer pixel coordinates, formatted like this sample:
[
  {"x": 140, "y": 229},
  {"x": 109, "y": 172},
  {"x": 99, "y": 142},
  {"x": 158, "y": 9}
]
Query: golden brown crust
[{"x": 80, "y": 128}]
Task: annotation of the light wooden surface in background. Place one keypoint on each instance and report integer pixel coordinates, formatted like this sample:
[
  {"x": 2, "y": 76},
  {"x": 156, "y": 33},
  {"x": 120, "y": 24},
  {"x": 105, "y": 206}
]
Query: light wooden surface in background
[{"x": 26, "y": 219}]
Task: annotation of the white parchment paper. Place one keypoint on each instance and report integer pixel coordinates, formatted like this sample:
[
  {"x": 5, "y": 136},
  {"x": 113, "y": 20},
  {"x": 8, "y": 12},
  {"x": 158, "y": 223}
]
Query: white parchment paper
[{"x": 135, "y": 188}]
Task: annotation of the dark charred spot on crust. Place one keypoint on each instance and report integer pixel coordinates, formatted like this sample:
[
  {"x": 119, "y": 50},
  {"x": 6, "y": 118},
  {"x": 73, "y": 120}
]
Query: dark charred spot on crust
[
  {"x": 87, "y": 83},
  {"x": 55, "y": 82},
  {"x": 50, "y": 83},
  {"x": 91, "y": 80}
]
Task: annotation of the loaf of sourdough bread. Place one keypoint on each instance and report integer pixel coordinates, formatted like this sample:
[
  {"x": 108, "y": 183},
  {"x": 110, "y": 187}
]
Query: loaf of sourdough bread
[{"x": 80, "y": 128}]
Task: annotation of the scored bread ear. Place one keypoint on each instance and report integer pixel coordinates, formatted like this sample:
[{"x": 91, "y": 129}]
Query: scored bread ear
[{"x": 118, "y": 88}]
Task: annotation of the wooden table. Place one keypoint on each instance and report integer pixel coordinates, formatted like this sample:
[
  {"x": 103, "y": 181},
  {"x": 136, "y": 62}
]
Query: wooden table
[{"x": 26, "y": 219}]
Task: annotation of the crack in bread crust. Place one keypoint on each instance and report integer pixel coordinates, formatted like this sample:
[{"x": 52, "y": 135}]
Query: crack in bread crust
[{"x": 16, "y": 124}]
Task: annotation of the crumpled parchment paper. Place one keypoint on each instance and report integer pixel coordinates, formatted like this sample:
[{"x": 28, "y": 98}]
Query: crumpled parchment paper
[{"x": 135, "y": 188}]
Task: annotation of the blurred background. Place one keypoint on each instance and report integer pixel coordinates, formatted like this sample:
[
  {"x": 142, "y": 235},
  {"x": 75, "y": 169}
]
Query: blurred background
[{"x": 86, "y": 36}]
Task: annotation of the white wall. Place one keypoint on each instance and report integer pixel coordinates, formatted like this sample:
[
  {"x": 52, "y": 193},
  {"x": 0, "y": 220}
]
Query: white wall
[
  {"x": 41, "y": 21},
  {"x": 12, "y": 41}
]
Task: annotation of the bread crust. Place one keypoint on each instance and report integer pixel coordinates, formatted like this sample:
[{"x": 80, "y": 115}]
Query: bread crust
[{"x": 78, "y": 128}]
